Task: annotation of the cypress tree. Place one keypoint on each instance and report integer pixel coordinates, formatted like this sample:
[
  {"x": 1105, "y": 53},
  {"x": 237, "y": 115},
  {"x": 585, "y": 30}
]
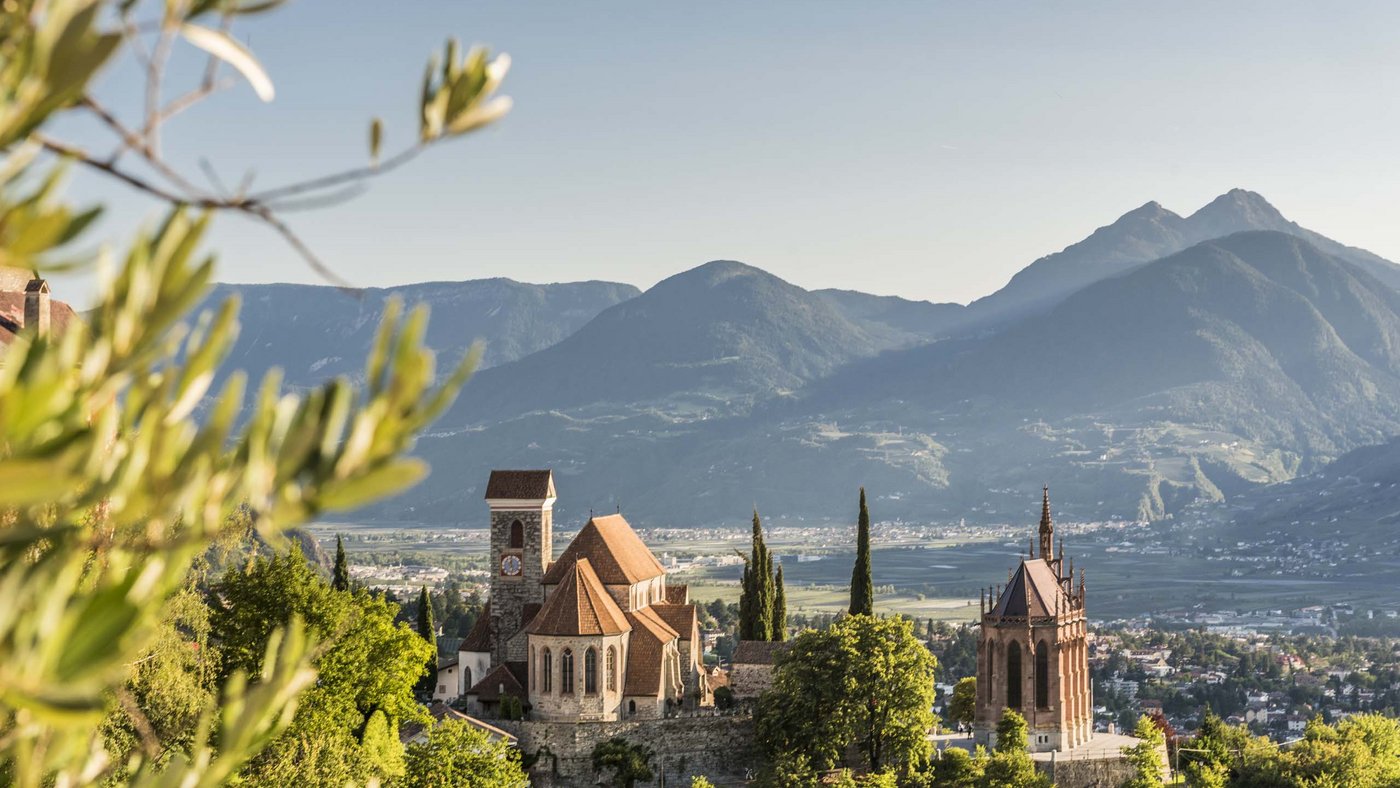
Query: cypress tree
[
  {"x": 756, "y": 600},
  {"x": 427, "y": 631},
  {"x": 862, "y": 590},
  {"x": 340, "y": 579},
  {"x": 779, "y": 607}
]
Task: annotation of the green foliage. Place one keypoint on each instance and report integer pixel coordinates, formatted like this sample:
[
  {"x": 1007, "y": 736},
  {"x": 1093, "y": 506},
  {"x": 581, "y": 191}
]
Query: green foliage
[
  {"x": 701, "y": 782},
  {"x": 862, "y": 682},
  {"x": 340, "y": 575},
  {"x": 862, "y": 587},
  {"x": 957, "y": 768},
  {"x": 380, "y": 749},
  {"x": 963, "y": 707},
  {"x": 171, "y": 685},
  {"x": 110, "y": 491},
  {"x": 1012, "y": 733},
  {"x": 369, "y": 665},
  {"x": 428, "y": 632},
  {"x": 628, "y": 762},
  {"x": 1145, "y": 756},
  {"x": 1010, "y": 766},
  {"x": 511, "y": 708},
  {"x": 757, "y": 595},
  {"x": 460, "y": 755},
  {"x": 724, "y": 698},
  {"x": 779, "y": 631}
]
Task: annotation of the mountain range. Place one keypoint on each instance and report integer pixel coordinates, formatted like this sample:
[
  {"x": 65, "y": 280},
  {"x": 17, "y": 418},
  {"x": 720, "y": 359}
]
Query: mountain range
[{"x": 1163, "y": 360}]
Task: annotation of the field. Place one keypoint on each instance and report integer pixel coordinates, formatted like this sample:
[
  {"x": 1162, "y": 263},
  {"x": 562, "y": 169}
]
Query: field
[{"x": 924, "y": 573}]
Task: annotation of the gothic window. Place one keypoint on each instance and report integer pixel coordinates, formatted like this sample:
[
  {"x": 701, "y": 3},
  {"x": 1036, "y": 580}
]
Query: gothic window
[
  {"x": 631, "y": 707},
  {"x": 1042, "y": 675},
  {"x": 517, "y": 535},
  {"x": 547, "y": 672},
  {"x": 566, "y": 671},
  {"x": 612, "y": 669},
  {"x": 467, "y": 677},
  {"x": 1013, "y": 675},
  {"x": 590, "y": 671}
]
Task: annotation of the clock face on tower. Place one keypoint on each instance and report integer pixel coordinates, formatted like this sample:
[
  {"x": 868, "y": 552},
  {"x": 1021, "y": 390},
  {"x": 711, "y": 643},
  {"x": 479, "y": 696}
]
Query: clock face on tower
[{"x": 510, "y": 565}]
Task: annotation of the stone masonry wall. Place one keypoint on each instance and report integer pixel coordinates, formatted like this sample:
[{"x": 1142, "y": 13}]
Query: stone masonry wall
[
  {"x": 718, "y": 746},
  {"x": 509, "y": 595}
]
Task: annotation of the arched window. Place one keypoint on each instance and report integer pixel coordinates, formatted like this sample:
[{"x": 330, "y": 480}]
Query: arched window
[
  {"x": 1013, "y": 675},
  {"x": 517, "y": 535},
  {"x": 612, "y": 669},
  {"x": 631, "y": 707},
  {"x": 590, "y": 672},
  {"x": 467, "y": 678},
  {"x": 546, "y": 672},
  {"x": 566, "y": 672},
  {"x": 1042, "y": 675}
]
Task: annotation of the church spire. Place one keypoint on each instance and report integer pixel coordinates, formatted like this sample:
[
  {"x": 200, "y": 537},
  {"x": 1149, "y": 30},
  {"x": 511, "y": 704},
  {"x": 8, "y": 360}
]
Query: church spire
[{"x": 1047, "y": 529}]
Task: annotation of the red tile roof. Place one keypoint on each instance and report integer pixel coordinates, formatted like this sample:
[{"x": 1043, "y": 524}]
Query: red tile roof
[
  {"x": 644, "y": 652},
  {"x": 489, "y": 689},
  {"x": 677, "y": 595},
  {"x": 616, "y": 552},
  {"x": 520, "y": 485},
  {"x": 681, "y": 618},
  {"x": 479, "y": 639},
  {"x": 579, "y": 605},
  {"x": 12, "y": 316}
]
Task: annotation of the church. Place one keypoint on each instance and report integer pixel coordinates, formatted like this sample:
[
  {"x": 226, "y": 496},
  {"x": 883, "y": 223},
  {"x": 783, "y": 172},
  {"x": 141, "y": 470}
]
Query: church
[
  {"x": 1033, "y": 654},
  {"x": 596, "y": 635}
]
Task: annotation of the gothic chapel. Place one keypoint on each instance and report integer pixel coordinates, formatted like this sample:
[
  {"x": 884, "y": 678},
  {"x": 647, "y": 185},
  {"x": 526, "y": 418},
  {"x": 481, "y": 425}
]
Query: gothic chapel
[{"x": 1032, "y": 655}]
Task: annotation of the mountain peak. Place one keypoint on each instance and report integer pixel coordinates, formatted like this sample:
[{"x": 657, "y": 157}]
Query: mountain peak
[
  {"x": 1239, "y": 209},
  {"x": 716, "y": 273},
  {"x": 1148, "y": 210}
]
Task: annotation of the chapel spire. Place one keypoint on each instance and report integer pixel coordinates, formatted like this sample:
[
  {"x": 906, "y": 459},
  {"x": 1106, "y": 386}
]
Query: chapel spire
[{"x": 1047, "y": 529}]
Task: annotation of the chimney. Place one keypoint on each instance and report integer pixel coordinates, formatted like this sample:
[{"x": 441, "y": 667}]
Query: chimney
[{"x": 36, "y": 306}]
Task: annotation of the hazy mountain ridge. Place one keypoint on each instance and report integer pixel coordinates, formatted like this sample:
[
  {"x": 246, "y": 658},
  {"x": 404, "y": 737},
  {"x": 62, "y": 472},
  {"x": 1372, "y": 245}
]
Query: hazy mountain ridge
[
  {"x": 315, "y": 332},
  {"x": 714, "y": 340},
  {"x": 1234, "y": 363},
  {"x": 1142, "y": 235},
  {"x": 1200, "y": 374}
]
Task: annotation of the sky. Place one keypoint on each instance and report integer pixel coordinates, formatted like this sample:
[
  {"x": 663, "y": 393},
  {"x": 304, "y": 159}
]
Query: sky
[{"x": 927, "y": 150}]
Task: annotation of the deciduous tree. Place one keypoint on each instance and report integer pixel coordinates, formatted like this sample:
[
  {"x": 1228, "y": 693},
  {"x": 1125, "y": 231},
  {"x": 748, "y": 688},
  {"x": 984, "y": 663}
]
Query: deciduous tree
[
  {"x": 962, "y": 708},
  {"x": 862, "y": 682},
  {"x": 460, "y": 755}
]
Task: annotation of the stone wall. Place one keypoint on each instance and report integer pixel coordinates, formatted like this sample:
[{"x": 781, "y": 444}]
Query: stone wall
[
  {"x": 509, "y": 595},
  {"x": 750, "y": 680},
  {"x": 714, "y": 745},
  {"x": 1068, "y": 772}
]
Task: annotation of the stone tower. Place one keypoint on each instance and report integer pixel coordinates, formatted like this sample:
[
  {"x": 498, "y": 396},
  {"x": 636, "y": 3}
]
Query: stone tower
[
  {"x": 522, "y": 545},
  {"x": 37, "y": 308},
  {"x": 1033, "y": 656}
]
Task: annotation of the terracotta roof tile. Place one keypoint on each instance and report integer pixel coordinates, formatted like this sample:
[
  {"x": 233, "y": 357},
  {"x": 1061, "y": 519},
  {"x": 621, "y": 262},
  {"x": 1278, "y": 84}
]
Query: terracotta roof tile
[
  {"x": 12, "y": 316},
  {"x": 644, "y": 652},
  {"x": 488, "y": 690},
  {"x": 758, "y": 652},
  {"x": 579, "y": 605},
  {"x": 479, "y": 639},
  {"x": 1033, "y": 592},
  {"x": 677, "y": 595},
  {"x": 616, "y": 552},
  {"x": 520, "y": 485},
  {"x": 682, "y": 618}
]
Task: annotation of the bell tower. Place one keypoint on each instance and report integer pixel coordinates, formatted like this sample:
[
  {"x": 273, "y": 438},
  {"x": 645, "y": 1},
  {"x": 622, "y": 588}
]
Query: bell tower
[{"x": 522, "y": 545}]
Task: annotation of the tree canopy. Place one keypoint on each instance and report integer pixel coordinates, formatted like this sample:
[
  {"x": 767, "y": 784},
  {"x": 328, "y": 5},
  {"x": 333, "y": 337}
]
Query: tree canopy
[{"x": 863, "y": 682}]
